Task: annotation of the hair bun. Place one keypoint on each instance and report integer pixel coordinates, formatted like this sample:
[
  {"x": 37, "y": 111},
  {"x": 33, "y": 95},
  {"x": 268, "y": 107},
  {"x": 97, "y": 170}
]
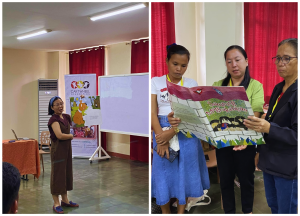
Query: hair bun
[{"x": 169, "y": 46}]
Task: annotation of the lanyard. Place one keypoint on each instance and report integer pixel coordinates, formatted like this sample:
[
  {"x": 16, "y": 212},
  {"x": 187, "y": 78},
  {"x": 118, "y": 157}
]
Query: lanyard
[
  {"x": 230, "y": 83},
  {"x": 277, "y": 101},
  {"x": 181, "y": 81},
  {"x": 274, "y": 106}
]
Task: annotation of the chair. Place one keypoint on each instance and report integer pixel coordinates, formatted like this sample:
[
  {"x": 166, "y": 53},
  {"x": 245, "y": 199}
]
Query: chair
[
  {"x": 212, "y": 162},
  {"x": 45, "y": 140}
]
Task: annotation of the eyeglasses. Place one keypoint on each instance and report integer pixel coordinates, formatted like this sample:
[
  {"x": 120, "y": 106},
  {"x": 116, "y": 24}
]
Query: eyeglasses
[
  {"x": 59, "y": 104},
  {"x": 285, "y": 59}
]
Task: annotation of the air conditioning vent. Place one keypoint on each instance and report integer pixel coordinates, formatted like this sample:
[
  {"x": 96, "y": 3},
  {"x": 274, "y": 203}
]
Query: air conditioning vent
[
  {"x": 47, "y": 88},
  {"x": 48, "y": 84}
]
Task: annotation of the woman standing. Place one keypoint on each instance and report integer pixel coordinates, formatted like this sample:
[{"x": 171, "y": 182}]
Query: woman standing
[
  {"x": 239, "y": 160},
  {"x": 278, "y": 157},
  {"x": 61, "y": 154},
  {"x": 187, "y": 175}
]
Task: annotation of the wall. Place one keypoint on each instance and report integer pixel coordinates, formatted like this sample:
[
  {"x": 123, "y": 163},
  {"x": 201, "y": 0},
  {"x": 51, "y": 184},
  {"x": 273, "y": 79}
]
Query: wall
[
  {"x": 185, "y": 32},
  {"x": 223, "y": 28},
  {"x": 63, "y": 67},
  {"x": 118, "y": 61},
  {"x": 53, "y": 66},
  {"x": 21, "y": 70},
  {"x": 206, "y": 30}
]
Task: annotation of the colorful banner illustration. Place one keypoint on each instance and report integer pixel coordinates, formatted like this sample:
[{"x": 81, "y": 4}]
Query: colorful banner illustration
[
  {"x": 214, "y": 114},
  {"x": 85, "y": 140},
  {"x": 85, "y": 111}
]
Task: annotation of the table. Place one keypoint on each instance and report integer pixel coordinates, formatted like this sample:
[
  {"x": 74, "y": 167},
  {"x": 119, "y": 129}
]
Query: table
[{"x": 24, "y": 155}]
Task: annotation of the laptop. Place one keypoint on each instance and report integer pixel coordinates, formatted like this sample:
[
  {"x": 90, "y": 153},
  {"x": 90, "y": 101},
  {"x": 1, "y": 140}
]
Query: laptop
[{"x": 24, "y": 138}]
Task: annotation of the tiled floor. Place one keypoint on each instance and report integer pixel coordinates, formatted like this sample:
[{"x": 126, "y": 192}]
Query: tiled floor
[
  {"x": 109, "y": 186},
  {"x": 260, "y": 205}
]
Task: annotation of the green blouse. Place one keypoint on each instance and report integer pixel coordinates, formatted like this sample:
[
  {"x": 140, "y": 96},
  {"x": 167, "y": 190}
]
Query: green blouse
[{"x": 255, "y": 93}]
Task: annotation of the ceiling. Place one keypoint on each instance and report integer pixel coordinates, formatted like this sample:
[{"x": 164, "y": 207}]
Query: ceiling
[{"x": 70, "y": 25}]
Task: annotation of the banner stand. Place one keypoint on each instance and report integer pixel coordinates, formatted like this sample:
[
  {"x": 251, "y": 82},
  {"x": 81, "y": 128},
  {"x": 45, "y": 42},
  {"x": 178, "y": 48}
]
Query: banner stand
[
  {"x": 80, "y": 157},
  {"x": 99, "y": 150},
  {"x": 83, "y": 145}
]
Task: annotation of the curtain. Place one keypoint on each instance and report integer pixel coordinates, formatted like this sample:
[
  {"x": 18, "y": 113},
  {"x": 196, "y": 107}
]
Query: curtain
[
  {"x": 162, "y": 34},
  {"x": 89, "y": 61},
  {"x": 266, "y": 24},
  {"x": 140, "y": 56},
  {"x": 139, "y": 146}
]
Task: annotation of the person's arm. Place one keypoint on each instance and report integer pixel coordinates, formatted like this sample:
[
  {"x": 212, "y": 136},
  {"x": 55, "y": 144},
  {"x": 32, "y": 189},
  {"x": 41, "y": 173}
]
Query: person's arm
[
  {"x": 174, "y": 122},
  {"x": 284, "y": 135},
  {"x": 59, "y": 135},
  {"x": 257, "y": 97},
  {"x": 273, "y": 132},
  {"x": 257, "y": 114},
  {"x": 69, "y": 119},
  {"x": 256, "y": 159},
  {"x": 276, "y": 134},
  {"x": 162, "y": 136},
  {"x": 154, "y": 119}
]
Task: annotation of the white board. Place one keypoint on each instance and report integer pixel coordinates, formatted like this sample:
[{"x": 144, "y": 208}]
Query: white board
[{"x": 124, "y": 102}]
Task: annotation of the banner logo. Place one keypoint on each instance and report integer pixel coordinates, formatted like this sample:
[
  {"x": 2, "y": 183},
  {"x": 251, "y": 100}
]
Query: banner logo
[{"x": 80, "y": 84}]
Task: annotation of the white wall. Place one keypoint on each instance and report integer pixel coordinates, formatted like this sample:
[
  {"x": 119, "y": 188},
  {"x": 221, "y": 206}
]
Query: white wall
[
  {"x": 118, "y": 61},
  {"x": 223, "y": 28},
  {"x": 185, "y": 32},
  {"x": 206, "y": 30}
]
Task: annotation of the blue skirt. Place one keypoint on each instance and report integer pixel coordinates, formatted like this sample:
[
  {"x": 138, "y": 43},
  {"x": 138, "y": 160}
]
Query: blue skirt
[{"x": 186, "y": 176}]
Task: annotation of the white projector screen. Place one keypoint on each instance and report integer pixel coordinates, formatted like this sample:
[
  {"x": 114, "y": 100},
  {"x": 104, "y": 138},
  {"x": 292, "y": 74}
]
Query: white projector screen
[{"x": 124, "y": 102}]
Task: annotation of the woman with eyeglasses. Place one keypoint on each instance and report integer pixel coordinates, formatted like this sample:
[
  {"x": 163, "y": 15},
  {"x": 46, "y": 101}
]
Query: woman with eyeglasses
[
  {"x": 278, "y": 157},
  {"x": 61, "y": 154}
]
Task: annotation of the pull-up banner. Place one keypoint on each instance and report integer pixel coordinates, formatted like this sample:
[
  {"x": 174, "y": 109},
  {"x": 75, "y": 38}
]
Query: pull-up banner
[{"x": 85, "y": 140}]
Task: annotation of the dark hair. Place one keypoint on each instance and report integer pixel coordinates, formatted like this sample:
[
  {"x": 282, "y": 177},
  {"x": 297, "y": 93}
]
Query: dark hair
[
  {"x": 291, "y": 41},
  {"x": 11, "y": 185},
  {"x": 50, "y": 111},
  {"x": 236, "y": 119},
  {"x": 247, "y": 77},
  {"x": 224, "y": 117},
  {"x": 177, "y": 49},
  {"x": 214, "y": 121},
  {"x": 217, "y": 126}
]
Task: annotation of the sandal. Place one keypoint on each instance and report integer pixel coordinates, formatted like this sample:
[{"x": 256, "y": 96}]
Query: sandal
[
  {"x": 71, "y": 204},
  {"x": 58, "y": 209}
]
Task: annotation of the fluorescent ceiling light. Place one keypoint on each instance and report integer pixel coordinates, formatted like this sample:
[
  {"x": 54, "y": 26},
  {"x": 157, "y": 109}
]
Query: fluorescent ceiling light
[
  {"x": 34, "y": 34},
  {"x": 119, "y": 11}
]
